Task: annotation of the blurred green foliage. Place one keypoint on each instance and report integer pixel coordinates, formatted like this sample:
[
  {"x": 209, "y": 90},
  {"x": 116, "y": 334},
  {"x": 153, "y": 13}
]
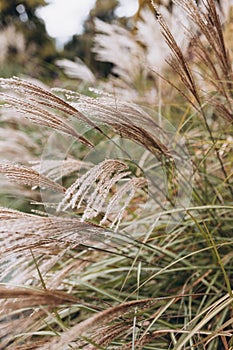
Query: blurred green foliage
[
  {"x": 80, "y": 45},
  {"x": 39, "y": 50}
]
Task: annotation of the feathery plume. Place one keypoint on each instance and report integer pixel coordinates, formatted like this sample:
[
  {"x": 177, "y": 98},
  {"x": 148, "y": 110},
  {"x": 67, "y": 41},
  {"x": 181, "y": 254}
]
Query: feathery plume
[
  {"x": 77, "y": 70},
  {"x": 126, "y": 119},
  {"x": 21, "y": 232},
  {"x": 27, "y": 176},
  {"x": 117, "y": 45},
  {"x": 178, "y": 61},
  {"x": 100, "y": 318},
  {"x": 18, "y": 312},
  {"x": 35, "y": 296},
  {"x": 7, "y": 213},
  {"x": 209, "y": 49},
  {"x": 83, "y": 187},
  {"x": 56, "y": 169},
  {"x": 129, "y": 188},
  {"x": 36, "y": 103}
]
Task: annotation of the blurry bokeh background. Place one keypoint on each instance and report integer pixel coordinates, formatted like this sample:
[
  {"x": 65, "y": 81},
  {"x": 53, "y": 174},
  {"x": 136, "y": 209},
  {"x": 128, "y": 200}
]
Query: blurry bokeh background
[{"x": 35, "y": 33}]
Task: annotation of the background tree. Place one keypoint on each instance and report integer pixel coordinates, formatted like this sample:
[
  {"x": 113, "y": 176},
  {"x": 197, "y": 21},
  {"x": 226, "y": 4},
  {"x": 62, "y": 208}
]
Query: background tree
[
  {"x": 80, "y": 45},
  {"x": 37, "y": 51}
]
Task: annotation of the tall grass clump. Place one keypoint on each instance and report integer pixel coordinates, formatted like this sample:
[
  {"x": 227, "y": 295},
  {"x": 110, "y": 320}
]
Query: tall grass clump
[{"x": 116, "y": 219}]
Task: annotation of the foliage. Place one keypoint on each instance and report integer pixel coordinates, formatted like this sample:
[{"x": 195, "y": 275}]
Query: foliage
[
  {"x": 36, "y": 48},
  {"x": 117, "y": 229}
]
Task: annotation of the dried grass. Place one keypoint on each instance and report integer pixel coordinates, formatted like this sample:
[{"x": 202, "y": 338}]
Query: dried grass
[
  {"x": 34, "y": 106},
  {"x": 126, "y": 119},
  {"x": 213, "y": 59},
  {"x": 77, "y": 70},
  {"x": 97, "y": 320},
  {"x": 24, "y": 232},
  {"x": 58, "y": 169},
  {"x": 68, "y": 281},
  {"x": 27, "y": 176}
]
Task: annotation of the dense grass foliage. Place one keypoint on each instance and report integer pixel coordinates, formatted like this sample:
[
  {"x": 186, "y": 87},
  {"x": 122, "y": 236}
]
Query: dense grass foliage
[{"x": 116, "y": 216}]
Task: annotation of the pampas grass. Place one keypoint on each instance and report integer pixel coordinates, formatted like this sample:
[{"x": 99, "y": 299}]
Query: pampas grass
[{"x": 113, "y": 250}]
